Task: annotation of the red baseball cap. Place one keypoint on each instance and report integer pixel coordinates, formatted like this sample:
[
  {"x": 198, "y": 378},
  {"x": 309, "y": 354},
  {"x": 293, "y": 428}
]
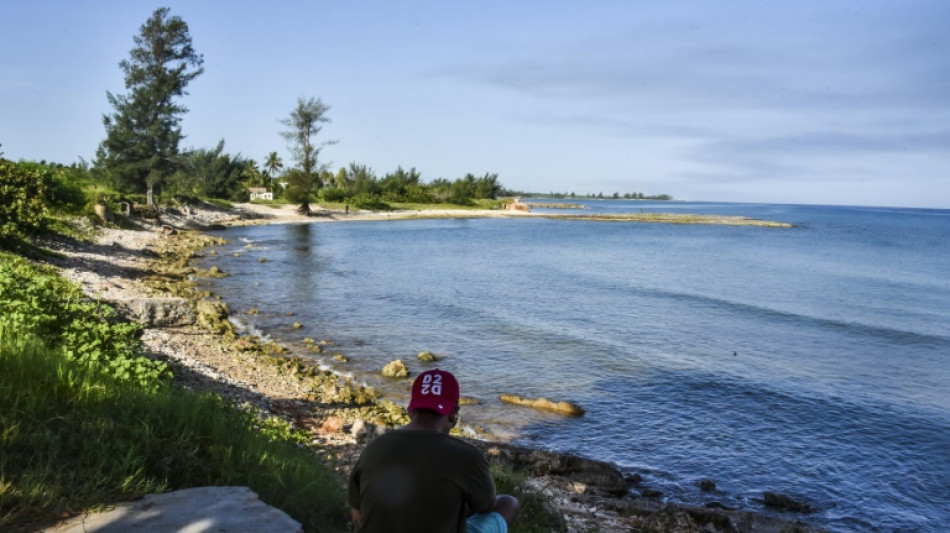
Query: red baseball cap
[{"x": 436, "y": 390}]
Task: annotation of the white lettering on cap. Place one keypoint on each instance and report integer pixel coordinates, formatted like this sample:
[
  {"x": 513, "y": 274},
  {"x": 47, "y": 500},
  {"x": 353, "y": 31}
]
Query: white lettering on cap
[{"x": 432, "y": 384}]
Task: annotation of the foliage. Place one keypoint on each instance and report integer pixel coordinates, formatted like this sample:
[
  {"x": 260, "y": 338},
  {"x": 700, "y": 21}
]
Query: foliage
[
  {"x": 37, "y": 301},
  {"x": 533, "y": 514},
  {"x": 23, "y": 211},
  {"x": 73, "y": 438},
  {"x": 305, "y": 123},
  {"x": 359, "y": 186},
  {"x": 142, "y": 133},
  {"x": 211, "y": 174}
]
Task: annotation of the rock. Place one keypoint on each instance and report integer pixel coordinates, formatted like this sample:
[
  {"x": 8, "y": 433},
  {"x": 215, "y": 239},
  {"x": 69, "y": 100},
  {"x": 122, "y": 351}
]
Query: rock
[
  {"x": 340, "y": 357},
  {"x": 564, "y": 408},
  {"x": 225, "y": 508},
  {"x": 396, "y": 369},
  {"x": 597, "y": 476},
  {"x": 427, "y": 357},
  {"x": 633, "y": 479},
  {"x": 213, "y": 315},
  {"x": 706, "y": 485},
  {"x": 333, "y": 424},
  {"x": 783, "y": 502},
  {"x": 651, "y": 493},
  {"x": 156, "y": 312},
  {"x": 363, "y": 431},
  {"x": 297, "y": 325},
  {"x": 715, "y": 505}
]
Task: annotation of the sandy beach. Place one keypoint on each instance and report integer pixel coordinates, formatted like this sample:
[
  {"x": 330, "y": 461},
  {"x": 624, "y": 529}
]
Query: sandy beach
[{"x": 123, "y": 264}]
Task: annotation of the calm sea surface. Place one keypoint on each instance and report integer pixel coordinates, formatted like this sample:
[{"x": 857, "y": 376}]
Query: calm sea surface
[{"x": 812, "y": 361}]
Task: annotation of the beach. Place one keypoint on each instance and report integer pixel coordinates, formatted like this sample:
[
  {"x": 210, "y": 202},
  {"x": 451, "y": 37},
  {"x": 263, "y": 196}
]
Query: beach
[{"x": 152, "y": 262}]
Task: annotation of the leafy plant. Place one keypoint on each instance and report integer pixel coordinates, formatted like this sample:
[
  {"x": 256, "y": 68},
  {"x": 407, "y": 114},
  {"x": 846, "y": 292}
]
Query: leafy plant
[
  {"x": 37, "y": 301},
  {"x": 22, "y": 209}
]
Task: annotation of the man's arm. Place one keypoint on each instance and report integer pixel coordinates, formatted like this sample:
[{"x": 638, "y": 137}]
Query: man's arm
[{"x": 355, "y": 515}]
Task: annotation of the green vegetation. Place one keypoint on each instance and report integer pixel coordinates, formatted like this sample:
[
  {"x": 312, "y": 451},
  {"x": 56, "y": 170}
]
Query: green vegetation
[
  {"x": 74, "y": 438},
  {"x": 142, "y": 134},
  {"x": 304, "y": 124},
  {"x": 534, "y": 516},
  {"x": 23, "y": 210},
  {"x": 38, "y": 302}
]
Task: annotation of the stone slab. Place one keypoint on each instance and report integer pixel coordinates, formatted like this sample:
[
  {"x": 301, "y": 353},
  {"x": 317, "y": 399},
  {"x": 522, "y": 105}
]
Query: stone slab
[{"x": 196, "y": 510}]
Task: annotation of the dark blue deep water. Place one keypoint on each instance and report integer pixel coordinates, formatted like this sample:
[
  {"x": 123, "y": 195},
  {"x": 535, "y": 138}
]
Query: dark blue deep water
[{"x": 812, "y": 361}]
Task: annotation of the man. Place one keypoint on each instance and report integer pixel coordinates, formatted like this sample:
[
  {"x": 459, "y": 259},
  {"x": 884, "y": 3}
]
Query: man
[{"x": 418, "y": 479}]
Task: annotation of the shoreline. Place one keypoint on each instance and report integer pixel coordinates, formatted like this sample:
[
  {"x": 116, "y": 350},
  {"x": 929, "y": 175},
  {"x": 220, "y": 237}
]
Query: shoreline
[{"x": 590, "y": 495}]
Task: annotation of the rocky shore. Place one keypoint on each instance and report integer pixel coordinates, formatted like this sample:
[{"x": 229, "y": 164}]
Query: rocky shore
[{"x": 144, "y": 270}]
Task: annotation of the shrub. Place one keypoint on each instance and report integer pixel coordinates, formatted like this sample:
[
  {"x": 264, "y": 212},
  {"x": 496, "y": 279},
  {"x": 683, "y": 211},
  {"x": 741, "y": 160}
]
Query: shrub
[
  {"x": 369, "y": 201},
  {"x": 22, "y": 209},
  {"x": 333, "y": 194},
  {"x": 38, "y": 302}
]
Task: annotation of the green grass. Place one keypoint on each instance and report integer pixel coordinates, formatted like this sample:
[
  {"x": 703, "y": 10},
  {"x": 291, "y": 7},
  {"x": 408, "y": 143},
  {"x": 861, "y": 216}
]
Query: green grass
[
  {"x": 72, "y": 439},
  {"x": 533, "y": 515}
]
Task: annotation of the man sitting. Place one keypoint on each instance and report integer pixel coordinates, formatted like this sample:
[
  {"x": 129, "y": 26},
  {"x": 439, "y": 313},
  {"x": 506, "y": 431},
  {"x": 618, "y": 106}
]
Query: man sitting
[{"x": 419, "y": 479}]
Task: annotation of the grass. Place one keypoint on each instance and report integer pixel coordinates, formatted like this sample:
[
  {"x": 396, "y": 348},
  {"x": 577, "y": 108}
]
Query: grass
[
  {"x": 534, "y": 516},
  {"x": 74, "y": 439}
]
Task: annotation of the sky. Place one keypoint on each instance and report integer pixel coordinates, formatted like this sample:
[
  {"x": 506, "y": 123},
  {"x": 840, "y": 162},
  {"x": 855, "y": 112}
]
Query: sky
[{"x": 806, "y": 102}]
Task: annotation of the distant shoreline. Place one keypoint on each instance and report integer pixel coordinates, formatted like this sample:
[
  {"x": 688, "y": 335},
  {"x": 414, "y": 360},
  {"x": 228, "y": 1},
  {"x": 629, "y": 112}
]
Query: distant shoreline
[{"x": 286, "y": 214}]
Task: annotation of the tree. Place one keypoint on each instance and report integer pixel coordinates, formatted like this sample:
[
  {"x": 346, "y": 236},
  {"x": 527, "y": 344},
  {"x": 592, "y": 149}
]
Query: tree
[
  {"x": 211, "y": 173},
  {"x": 305, "y": 123},
  {"x": 142, "y": 133},
  {"x": 272, "y": 165}
]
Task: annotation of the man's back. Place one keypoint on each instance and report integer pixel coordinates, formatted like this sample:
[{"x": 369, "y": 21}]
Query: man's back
[{"x": 412, "y": 481}]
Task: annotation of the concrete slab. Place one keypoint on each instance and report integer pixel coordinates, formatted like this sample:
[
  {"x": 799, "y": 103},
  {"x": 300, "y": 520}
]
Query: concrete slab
[{"x": 196, "y": 510}]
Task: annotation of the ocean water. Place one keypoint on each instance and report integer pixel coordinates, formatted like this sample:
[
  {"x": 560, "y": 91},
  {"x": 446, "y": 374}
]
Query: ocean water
[{"x": 812, "y": 361}]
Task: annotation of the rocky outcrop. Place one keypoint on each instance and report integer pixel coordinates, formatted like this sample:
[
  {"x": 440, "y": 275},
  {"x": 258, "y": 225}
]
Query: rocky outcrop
[
  {"x": 213, "y": 315},
  {"x": 427, "y": 357},
  {"x": 564, "y": 408},
  {"x": 156, "y": 312},
  {"x": 783, "y": 502},
  {"x": 596, "y": 476},
  {"x": 396, "y": 369}
]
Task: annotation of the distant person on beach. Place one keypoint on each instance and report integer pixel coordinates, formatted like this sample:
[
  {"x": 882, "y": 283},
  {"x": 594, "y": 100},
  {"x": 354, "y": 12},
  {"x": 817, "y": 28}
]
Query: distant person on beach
[{"x": 419, "y": 478}]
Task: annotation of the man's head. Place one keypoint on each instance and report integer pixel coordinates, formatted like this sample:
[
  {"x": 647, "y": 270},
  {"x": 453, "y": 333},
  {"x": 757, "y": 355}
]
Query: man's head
[{"x": 435, "y": 390}]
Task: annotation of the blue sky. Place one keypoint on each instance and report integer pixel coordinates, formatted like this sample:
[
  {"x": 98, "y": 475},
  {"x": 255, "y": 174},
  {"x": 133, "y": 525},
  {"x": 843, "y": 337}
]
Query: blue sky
[{"x": 782, "y": 102}]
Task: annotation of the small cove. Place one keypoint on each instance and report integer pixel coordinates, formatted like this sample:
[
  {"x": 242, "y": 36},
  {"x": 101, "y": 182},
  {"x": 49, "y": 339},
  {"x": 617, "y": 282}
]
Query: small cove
[{"x": 809, "y": 360}]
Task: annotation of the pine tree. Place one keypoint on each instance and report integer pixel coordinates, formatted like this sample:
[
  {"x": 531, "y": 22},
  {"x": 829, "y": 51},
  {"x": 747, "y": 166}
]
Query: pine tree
[
  {"x": 305, "y": 123},
  {"x": 142, "y": 133}
]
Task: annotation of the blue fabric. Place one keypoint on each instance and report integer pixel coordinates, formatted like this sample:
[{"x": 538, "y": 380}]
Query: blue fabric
[{"x": 486, "y": 523}]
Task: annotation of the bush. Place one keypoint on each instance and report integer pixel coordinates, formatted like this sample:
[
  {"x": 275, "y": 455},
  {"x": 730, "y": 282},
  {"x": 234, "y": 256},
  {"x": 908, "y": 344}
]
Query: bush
[
  {"x": 39, "y": 302},
  {"x": 22, "y": 209},
  {"x": 333, "y": 194},
  {"x": 369, "y": 201}
]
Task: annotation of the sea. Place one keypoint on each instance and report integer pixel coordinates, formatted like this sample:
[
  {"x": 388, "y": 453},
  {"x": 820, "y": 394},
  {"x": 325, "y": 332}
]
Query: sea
[{"x": 811, "y": 361}]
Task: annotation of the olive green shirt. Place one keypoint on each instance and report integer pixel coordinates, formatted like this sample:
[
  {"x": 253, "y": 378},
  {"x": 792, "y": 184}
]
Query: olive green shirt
[{"x": 419, "y": 481}]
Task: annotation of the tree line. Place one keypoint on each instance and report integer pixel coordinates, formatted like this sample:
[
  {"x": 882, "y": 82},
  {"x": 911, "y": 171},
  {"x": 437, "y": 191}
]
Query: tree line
[{"x": 141, "y": 151}]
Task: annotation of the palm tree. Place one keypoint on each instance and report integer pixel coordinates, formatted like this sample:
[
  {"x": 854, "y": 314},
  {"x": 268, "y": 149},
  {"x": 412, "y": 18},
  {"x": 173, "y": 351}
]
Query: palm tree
[{"x": 273, "y": 164}]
